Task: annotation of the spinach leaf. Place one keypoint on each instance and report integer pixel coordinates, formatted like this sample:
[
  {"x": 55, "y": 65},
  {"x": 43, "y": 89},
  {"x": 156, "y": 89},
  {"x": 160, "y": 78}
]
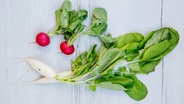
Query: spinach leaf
[
  {"x": 84, "y": 62},
  {"x": 97, "y": 29},
  {"x": 147, "y": 67},
  {"x": 66, "y": 5},
  {"x": 156, "y": 50},
  {"x": 110, "y": 85},
  {"x": 167, "y": 37},
  {"x": 139, "y": 90},
  {"x": 82, "y": 14},
  {"x": 109, "y": 57},
  {"x": 98, "y": 23},
  {"x": 58, "y": 20},
  {"x": 107, "y": 40},
  {"x": 102, "y": 63},
  {"x": 92, "y": 87},
  {"x": 69, "y": 22},
  {"x": 114, "y": 80},
  {"x": 101, "y": 51},
  {"x": 152, "y": 49},
  {"x": 112, "y": 65},
  {"x": 99, "y": 14},
  {"x": 64, "y": 18},
  {"x": 80, "y": 60},
  {"x": 123, "y": 41}
]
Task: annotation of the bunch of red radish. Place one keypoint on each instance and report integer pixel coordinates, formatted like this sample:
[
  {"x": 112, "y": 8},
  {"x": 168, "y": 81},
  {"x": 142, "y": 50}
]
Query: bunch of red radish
[{"x": 43, "y": 40}]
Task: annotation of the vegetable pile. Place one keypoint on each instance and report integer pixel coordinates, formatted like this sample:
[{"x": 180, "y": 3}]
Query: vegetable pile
[
  {"x": 70, "y": 24},
  {"x": 132, "y": 53}
]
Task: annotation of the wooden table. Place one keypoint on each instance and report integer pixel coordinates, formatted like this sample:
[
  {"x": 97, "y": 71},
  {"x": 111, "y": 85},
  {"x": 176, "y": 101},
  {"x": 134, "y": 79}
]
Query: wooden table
[{"x": 20, "y": 20}]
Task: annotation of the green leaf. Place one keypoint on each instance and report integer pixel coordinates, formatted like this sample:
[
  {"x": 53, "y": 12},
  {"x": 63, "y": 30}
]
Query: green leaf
[
  {"x": 124, "y": 40},
  {"x": 147, "y": 67},
  {"x": 84, "y": 62},
  {"x": 101, "y": 51},
  {"x": 64, "y": 18},
  {"x": 92, "y": 52},
  {"x": 156, "y": 36},
  {"x": 80, "y": 60},
  {"x": 138, "y": 91},
  {"x": 156, "y": 50},
  {"x": 132, "y": 47},
  {"x": 92, "y": 87},
  {"x": 73, "y": 16},
  {"x": 122, "y": 69},
  {"x": 174, "y": 40},
  {"x": 132, "y": 55},
  {"x": 152, "y": 49},
  {"x": 82, "y": 14},
  {"x": 107, "y": 40},
  {"x": 111, "y": 86},
  {"x": 76, "y": 34},
  {"x": 99, "y": 14},
  {"x": 55, "y": 31},
  {"x": 67, "y": 36},
  {"x": 107, "y": 59},
  {"x": 97, "y": 29},
  {"x": 112, "y": 65},
  {"x": 134, "y": 67},
  {"x": 114, "y": 82},
  {"x": 126, "y": 82},
  {"x": 98, "y": 23},
  {"x": 74, "y": 25},
  {"x": 66, "y": 5},
  {"x": 58, "y": 20}
]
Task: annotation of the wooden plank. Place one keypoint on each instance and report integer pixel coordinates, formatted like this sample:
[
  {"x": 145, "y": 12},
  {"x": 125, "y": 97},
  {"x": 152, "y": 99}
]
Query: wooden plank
[{"x": 173, "y": 69}]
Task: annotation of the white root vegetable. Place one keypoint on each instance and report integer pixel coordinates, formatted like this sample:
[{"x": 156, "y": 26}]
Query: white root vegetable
[
  {"x": 46, "y": 80},
  {"x": 41, "y": 68},
  {"x": 66, "y": 74}
]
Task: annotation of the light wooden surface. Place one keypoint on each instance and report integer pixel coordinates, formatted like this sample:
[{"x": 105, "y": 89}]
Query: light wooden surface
[{"x": 20, "y": 20}]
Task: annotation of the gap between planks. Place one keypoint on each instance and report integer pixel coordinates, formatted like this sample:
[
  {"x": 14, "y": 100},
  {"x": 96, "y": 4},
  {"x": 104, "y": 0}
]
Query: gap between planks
[{"x": 164, "y": 84}]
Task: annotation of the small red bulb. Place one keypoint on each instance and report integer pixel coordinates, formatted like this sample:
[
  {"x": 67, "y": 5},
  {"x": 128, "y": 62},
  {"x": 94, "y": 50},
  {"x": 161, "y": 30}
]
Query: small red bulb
[
  {"x": 66, "y": 49},
  {"x": 42, "y": 39}
]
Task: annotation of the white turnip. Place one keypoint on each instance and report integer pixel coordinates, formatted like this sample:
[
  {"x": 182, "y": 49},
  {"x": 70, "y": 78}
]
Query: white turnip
[
  {"x": 41, "y": 68},
  {"x": 46, "y": 80}
]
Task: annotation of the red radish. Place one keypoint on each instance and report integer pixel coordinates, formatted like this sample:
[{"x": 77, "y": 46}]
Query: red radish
[
  {"x": 66, "y": 49},
  {"x": 42, "y": 39}
]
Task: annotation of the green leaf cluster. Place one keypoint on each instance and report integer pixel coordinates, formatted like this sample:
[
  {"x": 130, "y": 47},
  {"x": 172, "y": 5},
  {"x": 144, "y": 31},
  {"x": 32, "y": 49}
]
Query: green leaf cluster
[
  {"x": 139, "y": 54},
  {"x": 99, "y": 22},
  {"x": 132, "y": 52},
  {"x": 70, "y": 22},
  {"x": 144, "y": 52}
]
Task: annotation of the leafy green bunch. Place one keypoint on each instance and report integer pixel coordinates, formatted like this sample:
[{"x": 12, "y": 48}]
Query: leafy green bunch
[
  {"x": 132, "y": 52},
  {"x": 118, "y": 61},
  {"x": 70, "y": 22}
]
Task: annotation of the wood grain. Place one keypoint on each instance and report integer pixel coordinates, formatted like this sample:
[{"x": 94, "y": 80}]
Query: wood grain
[{"x": 20, "y": 20}]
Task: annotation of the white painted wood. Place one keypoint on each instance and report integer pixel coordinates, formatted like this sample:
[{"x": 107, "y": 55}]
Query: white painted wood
[
  {"x": 20, "y": 20},
  {"x": 173, "y": 63}
]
